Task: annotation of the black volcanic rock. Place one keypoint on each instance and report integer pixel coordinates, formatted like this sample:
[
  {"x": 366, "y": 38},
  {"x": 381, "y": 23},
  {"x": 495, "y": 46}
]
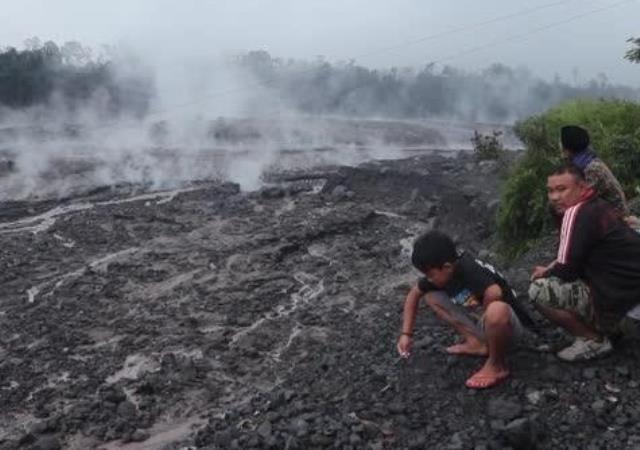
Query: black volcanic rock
[{"x": 216, "y": 318}]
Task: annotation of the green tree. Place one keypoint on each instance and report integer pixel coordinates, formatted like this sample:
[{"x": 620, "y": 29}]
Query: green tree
[
  {"x": 633, "y": 54},
  {"x": 615, "y": 135}
]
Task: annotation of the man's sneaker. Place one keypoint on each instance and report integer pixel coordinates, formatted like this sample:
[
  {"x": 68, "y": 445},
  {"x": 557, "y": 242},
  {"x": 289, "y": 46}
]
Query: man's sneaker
[{"x": 583, "y": 349}]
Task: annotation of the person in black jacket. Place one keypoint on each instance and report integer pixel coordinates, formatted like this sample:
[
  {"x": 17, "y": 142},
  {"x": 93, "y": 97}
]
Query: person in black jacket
[{"x": 595, "y": 279}]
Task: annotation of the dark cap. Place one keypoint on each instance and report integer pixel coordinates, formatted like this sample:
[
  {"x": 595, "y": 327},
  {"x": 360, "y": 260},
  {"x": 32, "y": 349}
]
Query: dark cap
[{"x": 574, "y": 138}]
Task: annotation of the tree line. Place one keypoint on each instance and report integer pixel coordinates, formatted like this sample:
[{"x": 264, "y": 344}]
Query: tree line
[
  {"x": 71, "y": 74},
  {"x": 497, "y": 93},
  {"x": 42, "y": 71}
]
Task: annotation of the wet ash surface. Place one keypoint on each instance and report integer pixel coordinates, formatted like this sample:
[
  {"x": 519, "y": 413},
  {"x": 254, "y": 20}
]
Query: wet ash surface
[{"x": 212, "y": 318}]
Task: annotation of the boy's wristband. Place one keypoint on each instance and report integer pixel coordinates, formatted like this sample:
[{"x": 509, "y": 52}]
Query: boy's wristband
[{"x": 406, "y": 334}]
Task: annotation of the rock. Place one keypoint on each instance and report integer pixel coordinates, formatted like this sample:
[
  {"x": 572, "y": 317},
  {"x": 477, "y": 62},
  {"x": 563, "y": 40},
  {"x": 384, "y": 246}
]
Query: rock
[
  {"x": 456, "y": 442},
  {"x": 589, "y": 373},
  {"x": 469, "y": 192},
  {"x": 396, "y": 408},
  {"x": 418, "y": 441},
  {"x": 47, "y": 443},
  {"x": 340, "y": 192},
  {"x": 300, "y": 427},
  {"x": 534, "y": 397},
  {"x": 355, "y": 439},
  {"x": 127, "y": 409},
  {"x": 265, "y": 429},
  {"x": 39, "y": 427},
  {"x": 553, "y": 372},
  {"x": 598, "y": 405},
  {"x": 503, "y": 408},
  {"x": 272, "y": 192},
  {"x": 520, "y": 433},
  {"x": 423, "y": 342},
  {"x": 622, "y": 370},
  {"x": 139, "y": 435},
  {"x": 291, "y": 444}
]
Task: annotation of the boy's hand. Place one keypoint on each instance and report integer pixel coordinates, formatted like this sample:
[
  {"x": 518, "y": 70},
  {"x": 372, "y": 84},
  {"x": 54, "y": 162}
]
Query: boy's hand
[{"x": 404, "y": 345}]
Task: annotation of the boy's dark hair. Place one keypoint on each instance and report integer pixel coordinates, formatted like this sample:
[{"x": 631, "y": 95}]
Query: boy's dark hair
[
  {"x": 569, "y": 168},
  {"x": 432, "y": 250}
]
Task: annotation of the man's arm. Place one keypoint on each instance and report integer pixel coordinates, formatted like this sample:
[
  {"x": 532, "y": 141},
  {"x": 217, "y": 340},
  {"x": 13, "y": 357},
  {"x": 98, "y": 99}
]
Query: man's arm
[
  {"x": 541, "y": 271},
  {"x": 577, "y": 235}
]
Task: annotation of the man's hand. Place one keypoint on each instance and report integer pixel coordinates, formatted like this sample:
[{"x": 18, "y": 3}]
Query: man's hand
[
  {"x": 632, "y": 221},
  {"x": 404, "y": 345},
  {"x": 538, "y": 272}
]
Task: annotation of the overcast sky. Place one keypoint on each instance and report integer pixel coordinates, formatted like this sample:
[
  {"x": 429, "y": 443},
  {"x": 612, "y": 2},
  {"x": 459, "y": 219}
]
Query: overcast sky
[{"x": 375, "y": 33}]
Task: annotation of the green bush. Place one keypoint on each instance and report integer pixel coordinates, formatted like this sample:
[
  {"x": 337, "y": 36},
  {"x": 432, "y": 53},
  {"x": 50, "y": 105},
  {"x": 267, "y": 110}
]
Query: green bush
[{"x": 614, "y": 126}]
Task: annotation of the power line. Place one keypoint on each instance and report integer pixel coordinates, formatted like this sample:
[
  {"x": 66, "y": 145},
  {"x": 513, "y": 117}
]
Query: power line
[
  {"x": 493, "y": 43},
  {"x": 465, "y": 28},
  {"x": 523, "y": 36}
]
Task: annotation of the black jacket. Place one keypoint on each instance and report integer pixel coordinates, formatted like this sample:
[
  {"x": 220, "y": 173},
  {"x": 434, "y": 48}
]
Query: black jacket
[{"x": 602, "y": 250}]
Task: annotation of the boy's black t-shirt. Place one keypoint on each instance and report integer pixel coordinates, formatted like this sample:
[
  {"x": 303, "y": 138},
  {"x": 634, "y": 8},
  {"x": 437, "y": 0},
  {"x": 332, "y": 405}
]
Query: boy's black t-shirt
[{"x": 470, "y": 279}]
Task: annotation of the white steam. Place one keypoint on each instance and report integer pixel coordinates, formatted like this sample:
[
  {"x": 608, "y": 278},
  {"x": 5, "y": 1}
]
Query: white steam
[{"x": 208, "y": 119}]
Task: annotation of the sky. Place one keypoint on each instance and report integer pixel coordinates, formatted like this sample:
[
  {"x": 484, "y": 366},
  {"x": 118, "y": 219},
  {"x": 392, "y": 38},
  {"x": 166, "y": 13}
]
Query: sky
[{"x": 575, "y": 39}]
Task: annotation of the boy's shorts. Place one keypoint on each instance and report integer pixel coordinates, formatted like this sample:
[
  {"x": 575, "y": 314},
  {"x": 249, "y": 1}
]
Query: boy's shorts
[
  {"x": 476, "y": 322},
  {"x": 572, "y": 296}
]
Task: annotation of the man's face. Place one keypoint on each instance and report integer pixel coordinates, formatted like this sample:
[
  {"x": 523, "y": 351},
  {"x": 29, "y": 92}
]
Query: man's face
[
  {"x": 440, "y": 276},
  {"x": 564, "y": 191}
]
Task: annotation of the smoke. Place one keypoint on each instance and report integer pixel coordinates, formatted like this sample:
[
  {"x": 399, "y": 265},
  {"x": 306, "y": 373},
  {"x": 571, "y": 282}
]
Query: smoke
[
  {"x": 60, "y": 147},
  {"x": 165, "y": 117}
]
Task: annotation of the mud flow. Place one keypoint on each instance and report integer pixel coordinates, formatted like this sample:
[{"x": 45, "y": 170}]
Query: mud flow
[{"x": 209, "y": 317}]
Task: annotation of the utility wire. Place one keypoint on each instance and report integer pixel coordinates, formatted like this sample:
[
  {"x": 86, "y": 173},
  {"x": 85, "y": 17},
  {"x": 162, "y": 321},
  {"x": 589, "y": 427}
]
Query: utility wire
[
  {"x": 445, "y": 58},
  {"x": 462, "y": 29},
  {"x": 491, "y": 44},
  {"x": 523, "y": 36}
]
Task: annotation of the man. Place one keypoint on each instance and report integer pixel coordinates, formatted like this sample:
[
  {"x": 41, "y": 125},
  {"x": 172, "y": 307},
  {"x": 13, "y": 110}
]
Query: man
[{"x": 595, "y": 279}]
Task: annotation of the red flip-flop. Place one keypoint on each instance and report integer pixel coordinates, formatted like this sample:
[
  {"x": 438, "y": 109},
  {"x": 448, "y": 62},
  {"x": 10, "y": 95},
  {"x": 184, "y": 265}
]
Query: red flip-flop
[{"x": 482, "y": 382}]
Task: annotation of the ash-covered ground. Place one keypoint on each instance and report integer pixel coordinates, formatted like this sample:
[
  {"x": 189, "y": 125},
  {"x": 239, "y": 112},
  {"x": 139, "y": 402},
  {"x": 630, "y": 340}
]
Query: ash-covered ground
[{"x": 207, "y": 317}]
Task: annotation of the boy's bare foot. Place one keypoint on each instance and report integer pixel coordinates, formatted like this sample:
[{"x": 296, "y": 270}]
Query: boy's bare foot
[
  {"x": 487, "y": 377},
  {"x": 474, "y": 348}
]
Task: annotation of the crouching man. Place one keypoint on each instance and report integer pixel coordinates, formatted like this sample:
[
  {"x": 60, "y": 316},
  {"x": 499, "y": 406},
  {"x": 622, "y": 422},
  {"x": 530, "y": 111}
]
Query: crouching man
[{"x": 595, "y": 279}]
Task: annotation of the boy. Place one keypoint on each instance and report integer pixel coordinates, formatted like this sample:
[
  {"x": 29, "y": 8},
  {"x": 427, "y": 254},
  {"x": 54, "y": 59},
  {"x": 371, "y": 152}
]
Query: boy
[{"x": 456, "y": 286}]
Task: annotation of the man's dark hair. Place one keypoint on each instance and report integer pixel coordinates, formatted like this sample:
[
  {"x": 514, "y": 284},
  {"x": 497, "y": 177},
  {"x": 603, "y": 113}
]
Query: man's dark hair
[
  {"x": 432, "y": 250},
  {"x": 574, "y": 138},
  {"x": 569, "y": 168}
]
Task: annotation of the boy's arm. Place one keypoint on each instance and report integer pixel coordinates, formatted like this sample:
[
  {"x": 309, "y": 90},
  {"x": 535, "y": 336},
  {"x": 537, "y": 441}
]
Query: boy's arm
[
  {"x": 410, "y": 310},
  {"x": 408, "y": 320}
]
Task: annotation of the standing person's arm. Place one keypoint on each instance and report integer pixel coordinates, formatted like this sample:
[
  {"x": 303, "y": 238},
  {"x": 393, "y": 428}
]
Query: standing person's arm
[
  {"x": 411, "y": 304},
  {"x": 607, "y": 186}
]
